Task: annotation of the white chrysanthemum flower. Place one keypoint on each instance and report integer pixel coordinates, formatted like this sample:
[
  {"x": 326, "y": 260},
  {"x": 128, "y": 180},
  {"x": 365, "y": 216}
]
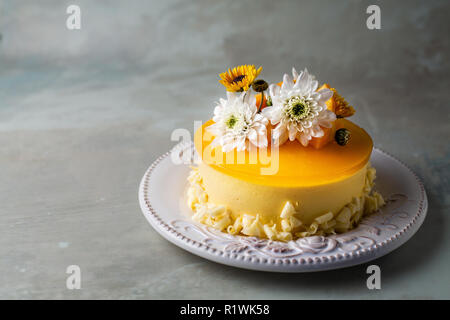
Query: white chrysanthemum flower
[
  {"x": 298, "y": 110},
  {"x": 238, "y": 122}
]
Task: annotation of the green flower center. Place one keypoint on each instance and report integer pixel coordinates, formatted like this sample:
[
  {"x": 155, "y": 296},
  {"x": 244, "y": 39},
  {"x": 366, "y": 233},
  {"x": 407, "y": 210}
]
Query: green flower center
[
  {"x": 298, "y": 108},
  {"x": 231, "y": 122}
]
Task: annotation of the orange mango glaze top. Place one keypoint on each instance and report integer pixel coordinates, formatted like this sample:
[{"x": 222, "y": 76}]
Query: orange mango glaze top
[{"x": 298, "y": 166}]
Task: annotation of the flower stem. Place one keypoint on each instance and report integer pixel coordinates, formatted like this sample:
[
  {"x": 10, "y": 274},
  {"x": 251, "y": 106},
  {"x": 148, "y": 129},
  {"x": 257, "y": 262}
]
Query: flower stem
[{"x": 262, "y": 101}]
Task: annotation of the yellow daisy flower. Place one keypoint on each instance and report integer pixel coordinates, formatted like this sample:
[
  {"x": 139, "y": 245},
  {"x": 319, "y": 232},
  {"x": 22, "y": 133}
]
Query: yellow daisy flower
[{"x": 239, "y": 78}]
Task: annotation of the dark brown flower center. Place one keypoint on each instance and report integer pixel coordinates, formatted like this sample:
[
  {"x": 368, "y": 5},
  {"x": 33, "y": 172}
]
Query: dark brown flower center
[
  {"x": 260, "y": 85},
  {"x": 238, "y": 78}
]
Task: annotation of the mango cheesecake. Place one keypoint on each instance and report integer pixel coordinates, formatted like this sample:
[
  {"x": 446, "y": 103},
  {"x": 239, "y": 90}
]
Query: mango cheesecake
[{"x": 282, "y": 161}]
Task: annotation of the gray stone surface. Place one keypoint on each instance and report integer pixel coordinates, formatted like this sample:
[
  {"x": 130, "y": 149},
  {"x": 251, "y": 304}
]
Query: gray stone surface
[{"x": 84, "y": 113}]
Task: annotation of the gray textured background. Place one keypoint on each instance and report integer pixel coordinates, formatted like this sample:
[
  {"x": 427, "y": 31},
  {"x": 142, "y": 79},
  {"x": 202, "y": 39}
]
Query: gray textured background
[{"x": 84, "y": 113}]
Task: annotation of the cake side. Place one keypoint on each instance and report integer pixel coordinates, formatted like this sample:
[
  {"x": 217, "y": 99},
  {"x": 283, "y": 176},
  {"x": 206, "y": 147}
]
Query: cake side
[
  {"x": 292, "y": 221},
  {"x": 242, "y": 196}
]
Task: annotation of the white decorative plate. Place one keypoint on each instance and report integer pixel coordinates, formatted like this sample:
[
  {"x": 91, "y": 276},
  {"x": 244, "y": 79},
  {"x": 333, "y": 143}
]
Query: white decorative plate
[{"x": 161, "y": 196}]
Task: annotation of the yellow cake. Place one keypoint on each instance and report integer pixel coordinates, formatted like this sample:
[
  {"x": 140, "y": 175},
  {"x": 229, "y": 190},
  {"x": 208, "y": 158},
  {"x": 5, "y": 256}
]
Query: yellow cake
[{"x": 283, "y": 191}]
